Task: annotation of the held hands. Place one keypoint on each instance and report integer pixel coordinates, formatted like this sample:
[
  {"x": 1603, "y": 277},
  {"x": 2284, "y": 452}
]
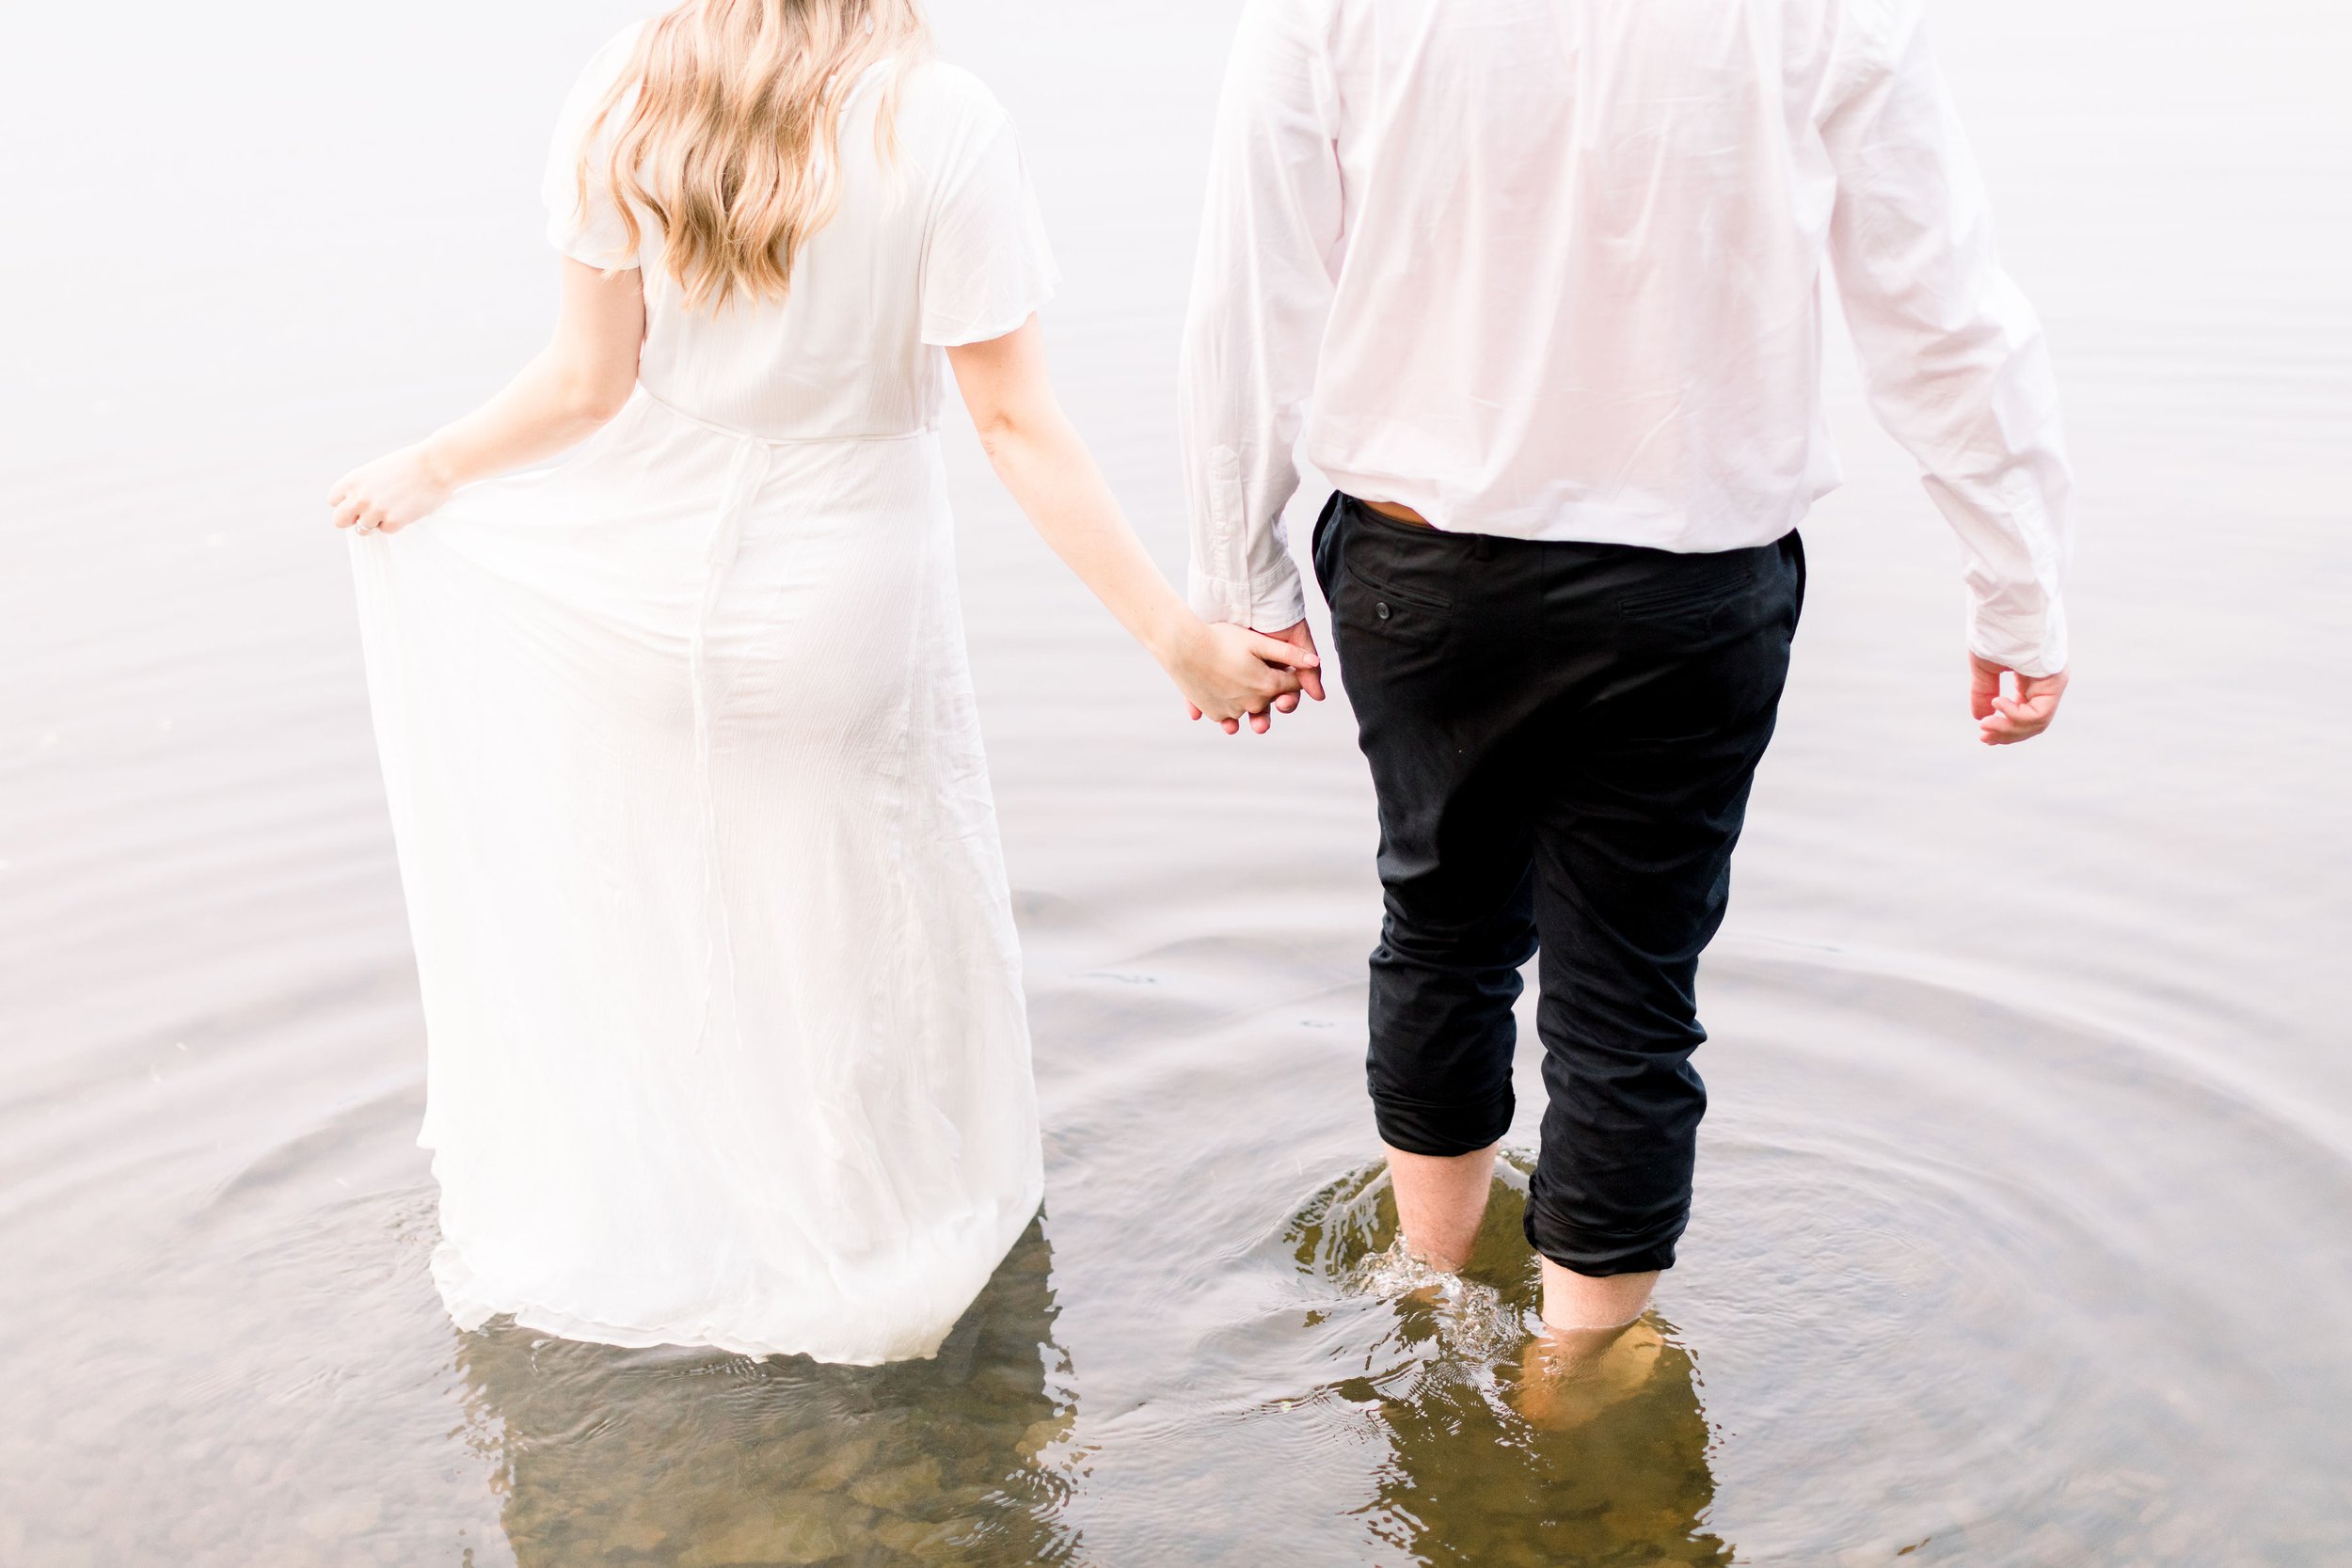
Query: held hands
[
  {"x": 2003, "y": 719},
  {"x": 1230, "y": 674},
  {"x": 388, "y": 494}
]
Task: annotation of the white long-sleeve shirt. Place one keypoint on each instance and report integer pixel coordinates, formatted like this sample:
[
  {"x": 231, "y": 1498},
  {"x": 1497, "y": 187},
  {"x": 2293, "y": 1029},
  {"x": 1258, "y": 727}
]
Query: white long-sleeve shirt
[{"x": 1551, "y": 269}]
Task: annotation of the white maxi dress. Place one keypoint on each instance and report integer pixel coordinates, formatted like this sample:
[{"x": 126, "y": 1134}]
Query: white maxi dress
[{"x": 727, "y": 1044}]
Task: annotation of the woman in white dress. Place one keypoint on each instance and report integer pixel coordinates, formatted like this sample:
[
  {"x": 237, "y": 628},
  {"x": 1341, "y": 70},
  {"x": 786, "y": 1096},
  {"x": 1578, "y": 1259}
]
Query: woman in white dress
[{"x": 725, "y": 1037}]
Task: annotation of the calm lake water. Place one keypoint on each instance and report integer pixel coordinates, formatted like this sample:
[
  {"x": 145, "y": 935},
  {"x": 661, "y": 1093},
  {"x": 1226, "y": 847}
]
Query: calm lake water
[{"x": 2025, "y": 1233}]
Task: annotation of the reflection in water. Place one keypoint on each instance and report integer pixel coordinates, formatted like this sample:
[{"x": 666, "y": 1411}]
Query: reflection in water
[
  {"x": 1471, "y": 1483},
  {"x": 627, "y": 1458},
  {"x": 1623, "y": 1478}
]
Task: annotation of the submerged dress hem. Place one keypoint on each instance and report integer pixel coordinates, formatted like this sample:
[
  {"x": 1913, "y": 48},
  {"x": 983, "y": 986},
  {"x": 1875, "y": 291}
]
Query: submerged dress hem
[{"x": 471, "y": 1308}]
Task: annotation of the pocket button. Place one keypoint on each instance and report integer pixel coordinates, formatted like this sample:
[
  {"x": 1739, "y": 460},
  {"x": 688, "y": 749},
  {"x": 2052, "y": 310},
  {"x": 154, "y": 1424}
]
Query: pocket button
[{"x": 1381, "y": 610}]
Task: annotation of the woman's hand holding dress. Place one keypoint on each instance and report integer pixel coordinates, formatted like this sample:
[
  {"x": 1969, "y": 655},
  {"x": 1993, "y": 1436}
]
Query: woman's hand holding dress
[
  {"x": 572, "y": 389},
  {"x": 388, "y": 494}
]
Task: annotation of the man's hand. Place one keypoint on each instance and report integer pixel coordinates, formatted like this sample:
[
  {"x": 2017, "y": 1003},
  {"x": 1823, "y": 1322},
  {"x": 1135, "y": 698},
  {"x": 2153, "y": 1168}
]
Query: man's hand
[
  {"x": 1310, "y": 675},
  {"x": 2004, "y": 719},
  {"x": 1309, "y": 680}
]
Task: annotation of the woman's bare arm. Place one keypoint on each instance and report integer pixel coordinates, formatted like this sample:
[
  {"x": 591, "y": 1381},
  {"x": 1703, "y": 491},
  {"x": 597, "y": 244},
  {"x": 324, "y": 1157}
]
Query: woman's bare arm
[
  {"x": 1228, "y": 674},
  {"x": 575, "y": 387}
]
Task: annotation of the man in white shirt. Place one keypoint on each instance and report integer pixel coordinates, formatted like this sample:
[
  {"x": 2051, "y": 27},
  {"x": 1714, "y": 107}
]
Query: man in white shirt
[{"x": 1538, "y": 285}]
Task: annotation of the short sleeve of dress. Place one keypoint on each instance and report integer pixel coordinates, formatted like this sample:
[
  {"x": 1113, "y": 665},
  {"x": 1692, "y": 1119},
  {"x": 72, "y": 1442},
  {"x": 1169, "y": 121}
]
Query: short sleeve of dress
[
  {"x": 587, "y": 227},
  {"x": 987, "y": 265}
]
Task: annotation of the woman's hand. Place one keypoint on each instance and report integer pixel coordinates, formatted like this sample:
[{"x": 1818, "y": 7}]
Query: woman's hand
[
  {"x": 575, "y": 388},
  {"x": 388, "y": 494},
  {"x": 1230, "y": 674}
]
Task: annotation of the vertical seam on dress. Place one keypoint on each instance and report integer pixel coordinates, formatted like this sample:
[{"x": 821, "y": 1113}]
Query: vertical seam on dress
[
  {"x": 898, "y": 797},
  {"x": 744, "y": 476}
]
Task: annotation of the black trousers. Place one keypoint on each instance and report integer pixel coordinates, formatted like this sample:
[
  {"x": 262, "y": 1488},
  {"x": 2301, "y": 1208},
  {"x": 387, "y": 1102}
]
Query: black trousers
[{"x": 1562, "y": 737}]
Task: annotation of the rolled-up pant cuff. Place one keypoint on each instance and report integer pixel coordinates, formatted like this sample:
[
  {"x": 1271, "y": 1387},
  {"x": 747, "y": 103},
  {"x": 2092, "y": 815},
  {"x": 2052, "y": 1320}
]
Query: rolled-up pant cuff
[
  {"x": 1599, "y": 1257},
  {"x": 1442, "y": 1131}
]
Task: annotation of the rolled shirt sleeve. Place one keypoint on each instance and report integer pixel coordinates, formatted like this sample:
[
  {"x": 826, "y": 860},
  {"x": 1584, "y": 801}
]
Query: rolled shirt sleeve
[
  {"x": 1953, "y": 356},
  {"x": 1270, "y": 245}
]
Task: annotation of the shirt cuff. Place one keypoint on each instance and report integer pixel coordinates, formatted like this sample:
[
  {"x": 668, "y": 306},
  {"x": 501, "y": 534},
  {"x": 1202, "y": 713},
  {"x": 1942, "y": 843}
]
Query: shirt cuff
[
  {"x": 2031, "y": 645},
  {"x": 1274, "y": 602}
]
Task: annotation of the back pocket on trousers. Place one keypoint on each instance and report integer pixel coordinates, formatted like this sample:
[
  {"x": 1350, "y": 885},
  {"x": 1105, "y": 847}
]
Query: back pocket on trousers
[
  {"x": 1699, "y": 595},
  {"x": 1386, "y": 614}
]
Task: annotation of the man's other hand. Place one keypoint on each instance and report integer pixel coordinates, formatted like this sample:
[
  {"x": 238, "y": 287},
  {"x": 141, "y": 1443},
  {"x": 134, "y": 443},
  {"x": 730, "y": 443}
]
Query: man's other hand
[{"x": 2006, "y": 716}]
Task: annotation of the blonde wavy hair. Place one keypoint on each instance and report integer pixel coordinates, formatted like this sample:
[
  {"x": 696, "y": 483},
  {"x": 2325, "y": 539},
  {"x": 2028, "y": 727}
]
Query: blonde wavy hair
[{"x": 733, "y": 144}]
